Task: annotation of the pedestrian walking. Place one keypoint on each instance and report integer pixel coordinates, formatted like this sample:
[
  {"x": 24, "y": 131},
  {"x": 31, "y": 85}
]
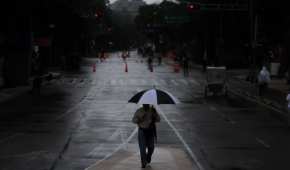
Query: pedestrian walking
[
  {"x": 146, "y": 117},
  {"x": 263, "y": 80}
]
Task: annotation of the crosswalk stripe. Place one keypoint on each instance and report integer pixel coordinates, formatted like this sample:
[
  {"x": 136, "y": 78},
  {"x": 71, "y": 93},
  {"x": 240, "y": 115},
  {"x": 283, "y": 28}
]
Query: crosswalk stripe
[{"x": 130, "y": 81}]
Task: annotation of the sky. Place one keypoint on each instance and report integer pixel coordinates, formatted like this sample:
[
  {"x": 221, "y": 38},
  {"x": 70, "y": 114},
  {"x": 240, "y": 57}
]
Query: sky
[{"x": 147, "y": 1}]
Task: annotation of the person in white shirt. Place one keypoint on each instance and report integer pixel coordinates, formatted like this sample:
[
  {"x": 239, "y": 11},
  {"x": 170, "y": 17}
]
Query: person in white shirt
[{"x": 263, "y": 80}]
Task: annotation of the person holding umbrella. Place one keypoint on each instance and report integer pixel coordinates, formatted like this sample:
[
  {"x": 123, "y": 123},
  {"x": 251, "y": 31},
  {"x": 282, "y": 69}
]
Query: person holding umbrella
[{"x": 146, "y": 117}]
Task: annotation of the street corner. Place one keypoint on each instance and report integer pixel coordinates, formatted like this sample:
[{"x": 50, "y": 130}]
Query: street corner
[{"x": 163, "y": 158}]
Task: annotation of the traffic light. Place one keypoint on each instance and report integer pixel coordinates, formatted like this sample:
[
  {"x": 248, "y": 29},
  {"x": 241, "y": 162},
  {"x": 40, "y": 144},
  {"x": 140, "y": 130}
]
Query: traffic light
[{"x": 192, "y": 7}]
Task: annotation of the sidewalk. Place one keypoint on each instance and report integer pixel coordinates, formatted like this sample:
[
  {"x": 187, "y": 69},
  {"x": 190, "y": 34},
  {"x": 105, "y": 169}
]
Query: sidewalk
[
  {"x": 276, "y": 94},
  {"x": 164, "y": 158}
]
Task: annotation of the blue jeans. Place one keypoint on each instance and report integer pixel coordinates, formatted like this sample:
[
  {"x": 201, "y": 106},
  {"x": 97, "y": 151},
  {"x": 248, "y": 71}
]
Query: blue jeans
[{"x": 146, "y": 141}]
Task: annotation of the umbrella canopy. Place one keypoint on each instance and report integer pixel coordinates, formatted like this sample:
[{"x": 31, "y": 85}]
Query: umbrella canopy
[{"x": 153, "y": 97}]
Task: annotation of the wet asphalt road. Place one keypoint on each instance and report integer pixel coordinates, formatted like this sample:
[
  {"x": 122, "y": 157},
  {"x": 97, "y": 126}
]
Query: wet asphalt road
[{"x": 84, "y": 117}]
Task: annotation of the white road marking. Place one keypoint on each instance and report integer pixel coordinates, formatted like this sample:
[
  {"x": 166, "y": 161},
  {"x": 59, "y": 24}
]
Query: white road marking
[
  {"x": 193, "y": 156},
  {"x": 97, "y": 149},
  {"x": 115, "y": 134},
  {"x": 69, "y": 111},
  {"x": 89, "y": 93},
  {"x": 123, "y": 139},
  {"x": 124, "y": 144},
  {"x": 258, "y": 102}
]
